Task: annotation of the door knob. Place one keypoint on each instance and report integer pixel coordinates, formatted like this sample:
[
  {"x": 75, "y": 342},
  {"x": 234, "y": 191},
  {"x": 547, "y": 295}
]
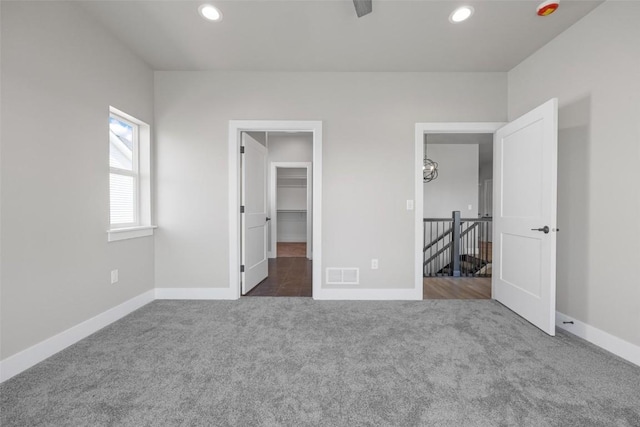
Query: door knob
[
  {"x": 268, "y": 219},
  {"x": 544, "y": 229}
]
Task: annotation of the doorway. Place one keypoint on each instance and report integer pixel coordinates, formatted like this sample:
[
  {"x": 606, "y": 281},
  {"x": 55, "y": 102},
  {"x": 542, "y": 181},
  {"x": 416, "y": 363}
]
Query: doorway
[
  {"x": 291, "y": 208},
  {"x": 457, "y": 240},
  {"x": 283, "y": 276}
]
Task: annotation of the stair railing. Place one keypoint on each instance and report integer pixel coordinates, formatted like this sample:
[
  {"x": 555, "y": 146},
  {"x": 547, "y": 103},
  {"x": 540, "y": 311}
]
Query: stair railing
[
  {"x": 437, "y": 239},
  {"x": 457, "y": 246}
]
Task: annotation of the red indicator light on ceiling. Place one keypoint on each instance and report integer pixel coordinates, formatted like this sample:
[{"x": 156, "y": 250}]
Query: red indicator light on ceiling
[{"x": 547, "y": 8}]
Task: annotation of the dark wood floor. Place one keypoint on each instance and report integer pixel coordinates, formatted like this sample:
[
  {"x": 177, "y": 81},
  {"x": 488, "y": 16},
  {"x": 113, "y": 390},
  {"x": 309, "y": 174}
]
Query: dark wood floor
[
  {"x": 288, "y": 277},
  {"x": 456, "y": 288},
  {"x": 291, "y": 249},
  {"x": 291, "y": 277}
]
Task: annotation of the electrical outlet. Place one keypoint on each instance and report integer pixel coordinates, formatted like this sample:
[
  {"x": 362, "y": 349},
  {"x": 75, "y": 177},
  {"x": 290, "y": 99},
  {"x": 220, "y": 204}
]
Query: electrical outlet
[
  {"x": 114, "y": 276},
  {"x": 470, "y": 207},
  {"x": 374, "y": 264}
]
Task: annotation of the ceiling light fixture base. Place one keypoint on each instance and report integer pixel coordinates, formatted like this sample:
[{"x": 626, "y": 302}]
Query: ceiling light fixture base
[
  {"x": 461, "y": 14},
  {"x": 210, "y": 12}
]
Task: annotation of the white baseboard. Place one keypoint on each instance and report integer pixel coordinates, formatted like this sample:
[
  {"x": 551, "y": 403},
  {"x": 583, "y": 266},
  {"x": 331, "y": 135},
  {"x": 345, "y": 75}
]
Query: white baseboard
[
  {"x": 195, "y": 293},
  {"x": 367, "y": 294},
  {"x": 605, "y": 340},
  {"x": 25, "y": 359}
]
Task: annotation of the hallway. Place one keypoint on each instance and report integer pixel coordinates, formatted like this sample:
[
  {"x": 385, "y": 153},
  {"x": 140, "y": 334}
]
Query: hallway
[
  {"x": 288, "y": 277},
  {"x": 456, "y": 288}
]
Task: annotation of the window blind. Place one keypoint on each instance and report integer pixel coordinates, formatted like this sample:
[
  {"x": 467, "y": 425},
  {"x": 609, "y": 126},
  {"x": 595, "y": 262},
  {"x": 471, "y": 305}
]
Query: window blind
[{"x": 122, "y": 191}]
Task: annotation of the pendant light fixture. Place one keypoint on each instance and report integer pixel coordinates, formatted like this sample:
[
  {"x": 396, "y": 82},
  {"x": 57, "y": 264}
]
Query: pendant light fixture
[{"x": 429, "y": 167}]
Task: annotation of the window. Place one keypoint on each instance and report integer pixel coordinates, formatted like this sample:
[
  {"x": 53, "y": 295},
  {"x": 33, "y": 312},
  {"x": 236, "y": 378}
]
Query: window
[
  {"x": 123, "y": 177},
  {"x": 129, "y": 177}
]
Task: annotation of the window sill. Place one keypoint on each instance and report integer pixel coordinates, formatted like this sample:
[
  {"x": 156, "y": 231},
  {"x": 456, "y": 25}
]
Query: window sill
[{"x": 130, "y": 232}]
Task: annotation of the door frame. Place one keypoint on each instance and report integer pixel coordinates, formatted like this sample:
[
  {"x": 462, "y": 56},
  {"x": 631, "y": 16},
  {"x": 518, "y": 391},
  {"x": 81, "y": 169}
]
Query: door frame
[
  {"x": 236, "y": 127},
  {"x": 486, "y": 185},
  {"x": 421, "y": 130},
  {"x": 273, "y": 207}
]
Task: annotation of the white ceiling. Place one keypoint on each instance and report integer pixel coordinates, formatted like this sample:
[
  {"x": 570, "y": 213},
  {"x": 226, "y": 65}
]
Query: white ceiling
[{"x": 308, "y": 35}]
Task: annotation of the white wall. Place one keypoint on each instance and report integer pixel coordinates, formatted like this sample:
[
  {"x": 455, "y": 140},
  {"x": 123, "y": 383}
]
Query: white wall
[
  {"x": 290, "y": 148},
  {"x": 292, "y": 198},
  {"x": 368, "y": 157},
  {"x": 60, "y": 73},
  {"x": 594, "y": 70},
  {"x": 457, "y": 184}
]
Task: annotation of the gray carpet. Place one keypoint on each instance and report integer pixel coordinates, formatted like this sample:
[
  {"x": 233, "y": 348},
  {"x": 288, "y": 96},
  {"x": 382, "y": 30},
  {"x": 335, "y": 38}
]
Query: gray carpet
[{"x": 295, "y": 361}]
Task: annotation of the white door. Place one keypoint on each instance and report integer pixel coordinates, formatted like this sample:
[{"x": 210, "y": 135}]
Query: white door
[
  {"x": 524, "y": 245},
  {"x": 254, "y": 219}
]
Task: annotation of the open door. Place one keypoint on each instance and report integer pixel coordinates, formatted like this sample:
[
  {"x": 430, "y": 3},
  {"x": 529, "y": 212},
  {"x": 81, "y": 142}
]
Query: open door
[
  {"x": 254, "y": 218},
  {"x": 524, "y": 215}
]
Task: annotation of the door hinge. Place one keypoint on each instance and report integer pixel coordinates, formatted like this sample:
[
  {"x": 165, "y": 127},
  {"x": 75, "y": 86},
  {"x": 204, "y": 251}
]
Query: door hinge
[
  {"x": 242, "y": 149},
  {"x": 242, "y": 269},
  {"x": 241, "y": 209}
]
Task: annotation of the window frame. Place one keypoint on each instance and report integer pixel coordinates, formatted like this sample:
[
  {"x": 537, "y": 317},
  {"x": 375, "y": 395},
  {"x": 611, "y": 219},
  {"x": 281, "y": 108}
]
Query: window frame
[
  {"x": 142, "y": 175},
  {"x": 133, "y": 173}
]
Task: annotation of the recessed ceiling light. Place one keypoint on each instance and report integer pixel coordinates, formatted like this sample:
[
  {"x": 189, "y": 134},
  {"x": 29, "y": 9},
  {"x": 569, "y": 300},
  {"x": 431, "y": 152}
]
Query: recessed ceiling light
[
  {"x": 461, "y": 14},
  {"x": 210, "y": 12}
]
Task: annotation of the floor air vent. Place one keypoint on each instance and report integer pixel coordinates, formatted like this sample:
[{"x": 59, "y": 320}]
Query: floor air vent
[{"x": 343, "y": 276}]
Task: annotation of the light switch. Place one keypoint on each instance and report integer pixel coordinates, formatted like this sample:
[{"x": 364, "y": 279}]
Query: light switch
[{"x": 409, "y": 205}]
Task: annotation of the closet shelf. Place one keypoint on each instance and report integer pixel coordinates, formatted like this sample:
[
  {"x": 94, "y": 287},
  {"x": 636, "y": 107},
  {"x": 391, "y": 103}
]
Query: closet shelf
[
  {"x": 292, "y": 210},
  {"x": 292, "y": 177},
  {"x": 292, "y": 181}
]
